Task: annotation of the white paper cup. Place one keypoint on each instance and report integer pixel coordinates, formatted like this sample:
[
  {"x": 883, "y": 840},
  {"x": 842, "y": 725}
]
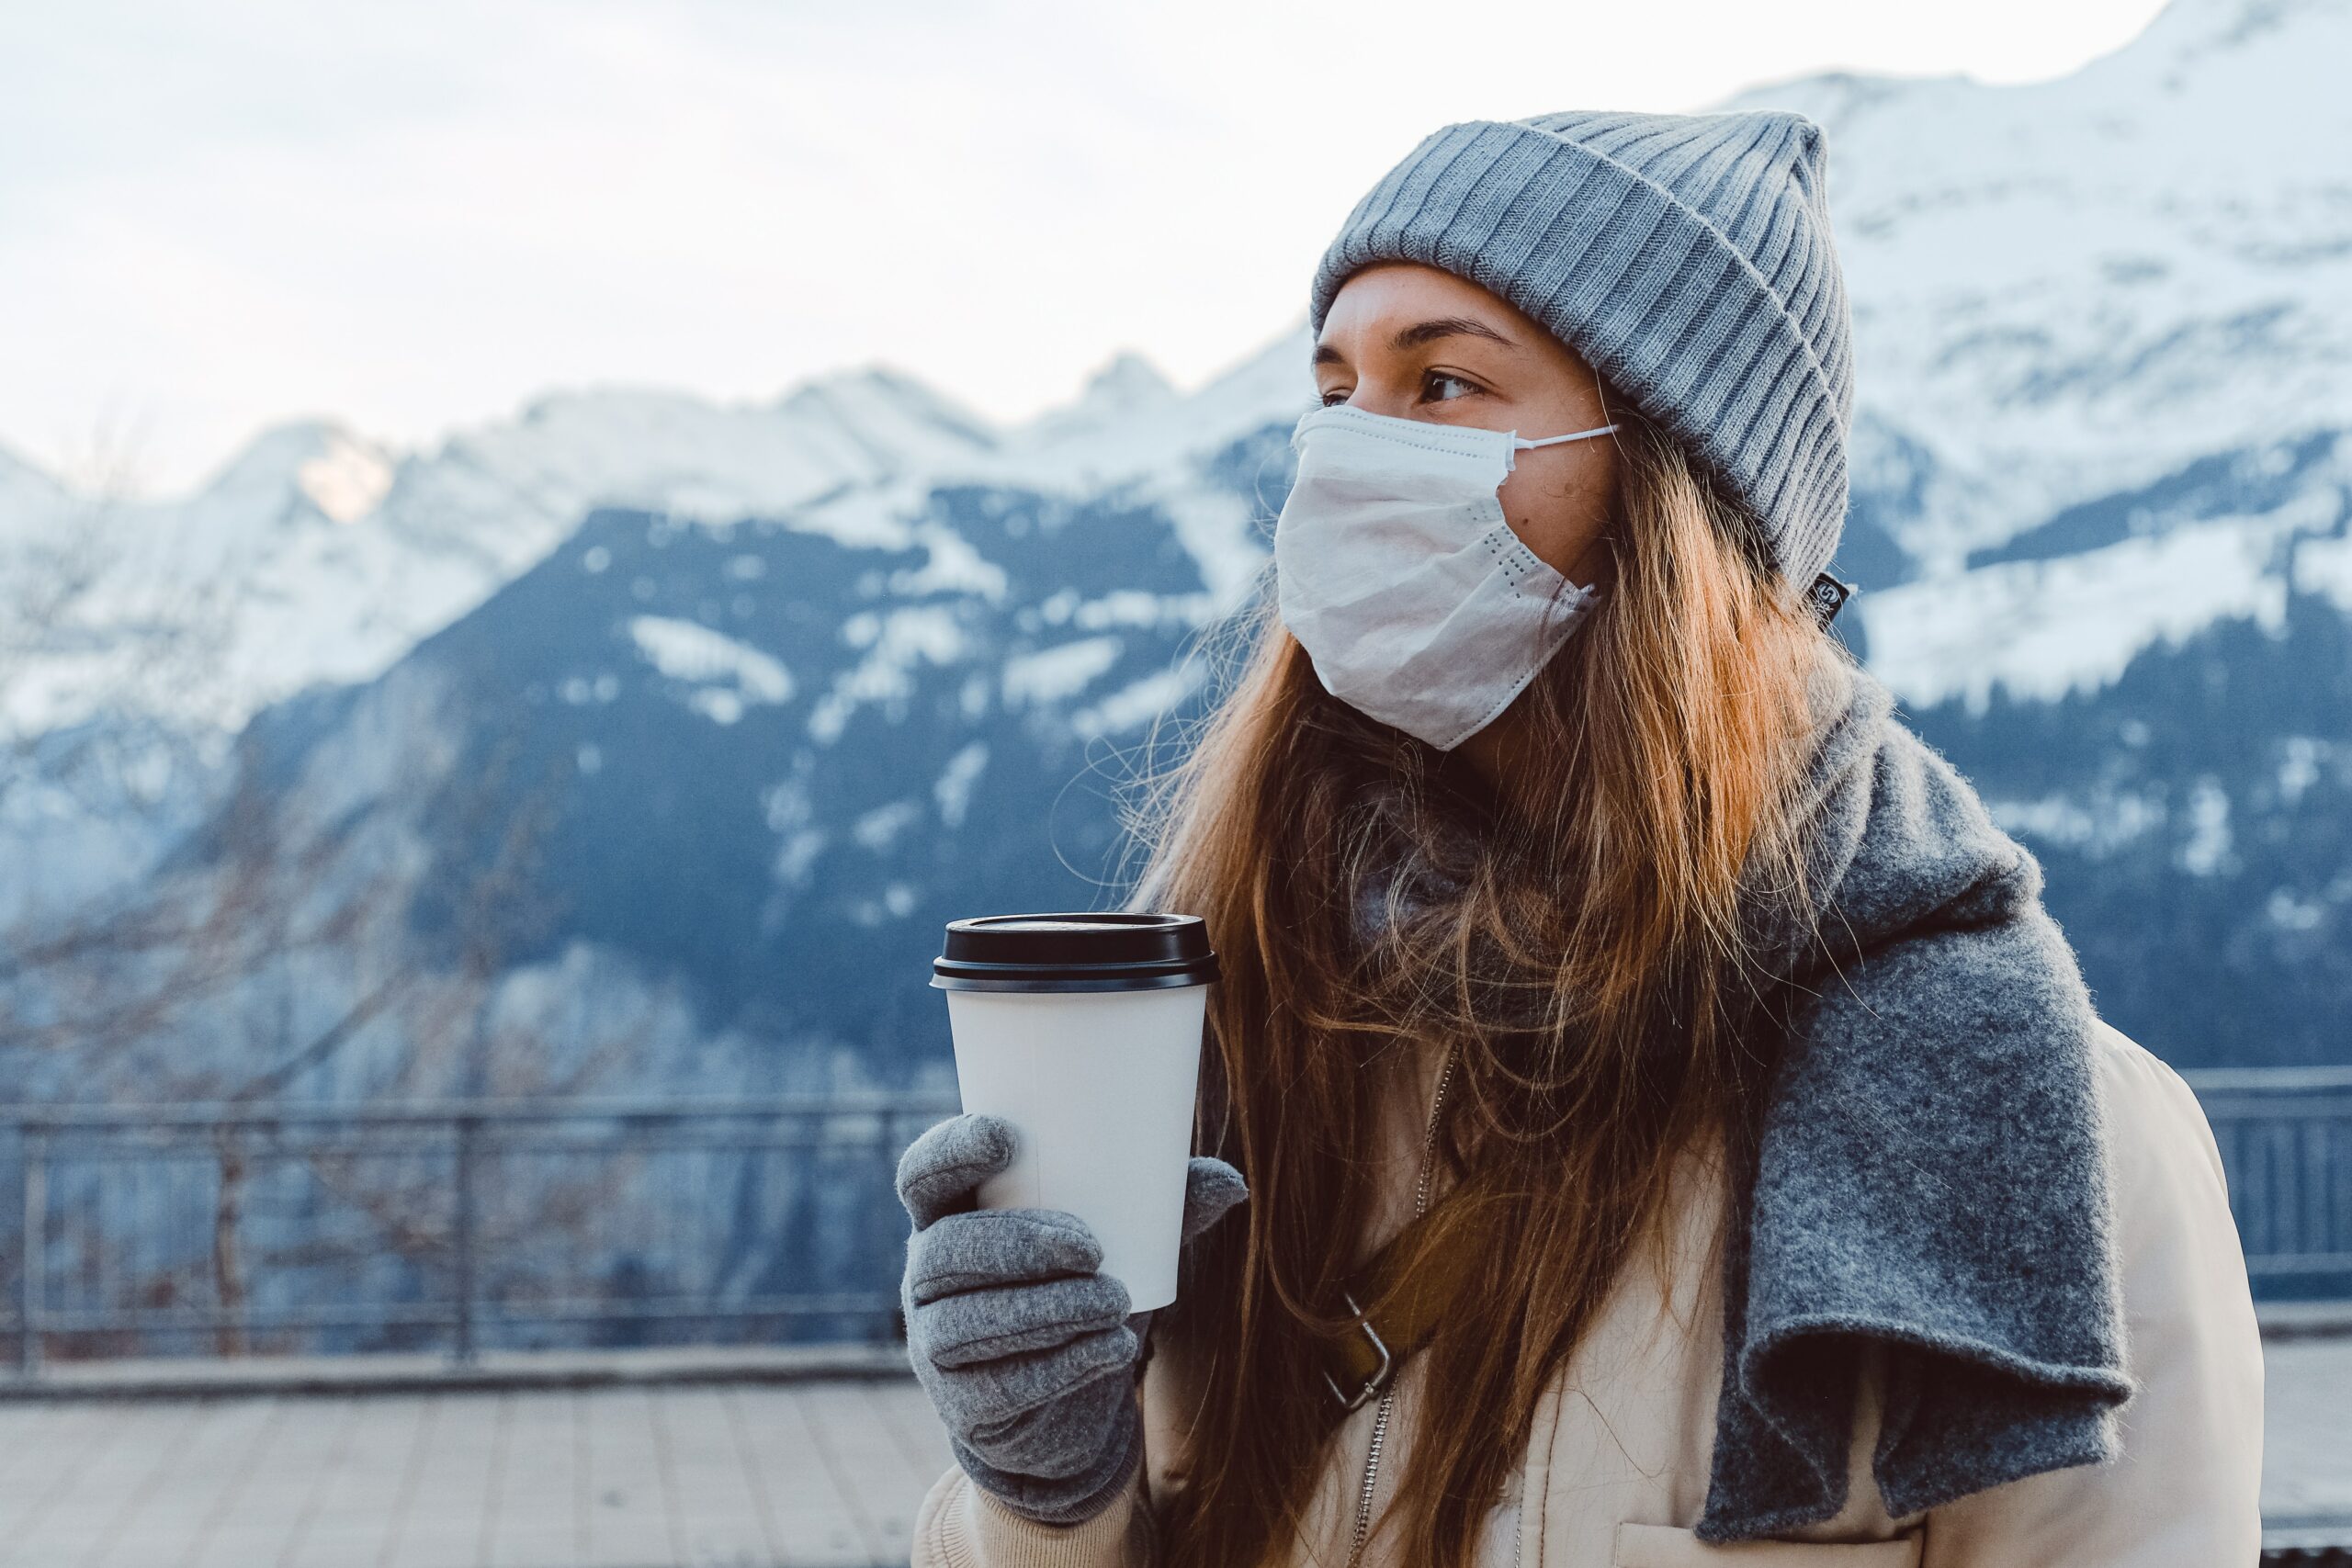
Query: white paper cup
[{"x": 1083, "y": 1031}]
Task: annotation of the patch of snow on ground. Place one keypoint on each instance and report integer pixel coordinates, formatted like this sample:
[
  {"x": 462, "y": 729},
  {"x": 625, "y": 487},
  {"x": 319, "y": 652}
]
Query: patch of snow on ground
[
  {"x": 2095, "y": 828},
  {"x": 732, "y": 674},
  {"x": 2301, "y": 766},
  {"x": 2043, "y": 628},
  {"x": 1057, "y": 673},
  {"x": 2325, "y": 567},
  {"x": 894, "y": 641},
  {"x": 953, "y": 789},
  {"x": 1138, "y": 703},
  {"x": 879, "y": 829},
  {"x": 2208, "y": 849},
  {"x": 1133, "y": 607},
  {"x": 951, "y": 565}
]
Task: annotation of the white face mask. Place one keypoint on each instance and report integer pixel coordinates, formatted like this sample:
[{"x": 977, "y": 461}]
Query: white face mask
[{"x": 1395, "y": 570}]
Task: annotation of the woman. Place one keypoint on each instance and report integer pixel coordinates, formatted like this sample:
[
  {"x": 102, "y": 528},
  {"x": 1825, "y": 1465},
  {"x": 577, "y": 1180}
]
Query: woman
[{"x": 1769, "y": 1188}]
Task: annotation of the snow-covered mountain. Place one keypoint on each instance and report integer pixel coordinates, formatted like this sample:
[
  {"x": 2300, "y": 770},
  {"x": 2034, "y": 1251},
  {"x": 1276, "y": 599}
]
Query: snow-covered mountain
[
  {"x": 314, "y": 557},
  {"x": 768, "y": 690},
  {"x": 2102, "y": 328}
]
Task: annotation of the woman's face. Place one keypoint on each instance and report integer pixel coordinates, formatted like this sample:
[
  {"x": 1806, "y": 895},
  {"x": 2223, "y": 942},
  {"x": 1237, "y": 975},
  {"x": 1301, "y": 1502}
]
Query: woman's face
[{"x": 1417, "y": 342}]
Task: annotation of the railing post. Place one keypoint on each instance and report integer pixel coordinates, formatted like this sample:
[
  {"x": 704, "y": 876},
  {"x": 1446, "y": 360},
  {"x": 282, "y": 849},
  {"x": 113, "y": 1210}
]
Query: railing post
[
  {"x": 35, "y": 1141},
  {"x": 462, "y": 1350}
]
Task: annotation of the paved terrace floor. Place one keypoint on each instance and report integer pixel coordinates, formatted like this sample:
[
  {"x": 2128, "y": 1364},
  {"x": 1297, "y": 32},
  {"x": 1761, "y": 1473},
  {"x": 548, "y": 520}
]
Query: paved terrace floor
[{"x": 638, "y": 1464}]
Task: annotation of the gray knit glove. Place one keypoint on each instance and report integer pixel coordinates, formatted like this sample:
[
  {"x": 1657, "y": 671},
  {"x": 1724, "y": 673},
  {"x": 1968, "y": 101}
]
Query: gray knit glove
[{"x": 1028, "y": 1352}]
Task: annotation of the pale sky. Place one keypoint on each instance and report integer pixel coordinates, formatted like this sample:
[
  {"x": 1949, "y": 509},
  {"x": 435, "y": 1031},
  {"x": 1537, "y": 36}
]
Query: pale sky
[{"x": 415, "y": 215}]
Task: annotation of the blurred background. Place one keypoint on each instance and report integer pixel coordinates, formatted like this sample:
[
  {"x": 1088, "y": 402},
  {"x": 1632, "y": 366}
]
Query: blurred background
[{"x": 545, "y": 547}]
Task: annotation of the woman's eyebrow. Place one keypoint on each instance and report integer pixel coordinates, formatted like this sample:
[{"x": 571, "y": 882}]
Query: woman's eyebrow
[{"x": 1420, "y": 332}]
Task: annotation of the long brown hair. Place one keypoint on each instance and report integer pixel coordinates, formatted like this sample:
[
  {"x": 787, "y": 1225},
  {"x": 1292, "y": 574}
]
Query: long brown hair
[{"x": 1591, "y": 973}]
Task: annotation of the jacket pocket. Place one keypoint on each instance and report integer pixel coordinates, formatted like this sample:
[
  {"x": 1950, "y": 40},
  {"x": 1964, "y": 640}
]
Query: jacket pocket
[{"x": 1662, "y": 1546}]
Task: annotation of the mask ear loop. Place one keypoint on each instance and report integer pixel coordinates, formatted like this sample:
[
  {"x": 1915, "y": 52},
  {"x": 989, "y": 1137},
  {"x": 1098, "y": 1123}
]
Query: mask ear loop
[{"x": 1519, "y": 442}]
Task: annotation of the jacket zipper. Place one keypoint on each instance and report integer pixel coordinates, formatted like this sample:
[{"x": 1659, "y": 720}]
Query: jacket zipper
[{"x": 1388, "y": 1394}]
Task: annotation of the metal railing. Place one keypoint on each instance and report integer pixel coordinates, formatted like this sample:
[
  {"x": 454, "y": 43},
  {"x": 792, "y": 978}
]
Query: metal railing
[
  {"x": 461, "y": 1224},
  {"x": 2285, "y": 1136},
  {"x": 452, "y": 1222}
]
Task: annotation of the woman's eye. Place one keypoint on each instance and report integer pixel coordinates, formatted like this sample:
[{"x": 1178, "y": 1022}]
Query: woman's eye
[{"x": 1434, "y": 379}]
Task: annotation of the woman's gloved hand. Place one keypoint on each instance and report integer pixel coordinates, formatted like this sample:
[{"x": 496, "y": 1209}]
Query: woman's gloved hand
[{"x": 1026, "y": 1350}]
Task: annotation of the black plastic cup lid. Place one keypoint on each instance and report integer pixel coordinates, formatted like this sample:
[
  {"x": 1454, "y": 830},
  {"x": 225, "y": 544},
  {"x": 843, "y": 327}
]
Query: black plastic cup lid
[{"x": 1113, "y": 951}]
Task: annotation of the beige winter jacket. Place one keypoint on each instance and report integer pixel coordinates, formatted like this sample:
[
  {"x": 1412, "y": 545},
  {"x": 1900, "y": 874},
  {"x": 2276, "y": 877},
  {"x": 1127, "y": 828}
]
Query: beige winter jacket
[{"x": 1615, "y": 1472}]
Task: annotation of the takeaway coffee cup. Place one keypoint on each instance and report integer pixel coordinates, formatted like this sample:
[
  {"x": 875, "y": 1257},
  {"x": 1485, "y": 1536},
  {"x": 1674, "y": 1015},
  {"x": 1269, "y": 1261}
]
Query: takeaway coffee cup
[{"x": 1084, "y": 1032}]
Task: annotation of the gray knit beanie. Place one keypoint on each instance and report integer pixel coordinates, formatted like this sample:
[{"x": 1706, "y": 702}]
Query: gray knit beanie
[{"x": 1686, "y": 258}]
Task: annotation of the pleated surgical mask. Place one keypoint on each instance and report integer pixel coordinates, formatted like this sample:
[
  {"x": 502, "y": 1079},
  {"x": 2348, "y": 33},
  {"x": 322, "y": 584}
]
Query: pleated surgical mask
[{"x": 1396, "y": 571}]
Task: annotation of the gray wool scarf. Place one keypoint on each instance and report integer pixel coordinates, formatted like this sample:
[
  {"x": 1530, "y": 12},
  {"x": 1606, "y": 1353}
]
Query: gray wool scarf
[{"x": 1924, "y": 1172}]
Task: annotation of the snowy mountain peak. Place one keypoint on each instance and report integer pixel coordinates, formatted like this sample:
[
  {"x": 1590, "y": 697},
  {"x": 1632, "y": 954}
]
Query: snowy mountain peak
[
  {"x": 2198, "y": 26},
  {"x": 348, "y": 478},
  {"x": 317, "y": 464},
  {"x": 891, "y": 414},
  {"x": 1129, "y": 382},
  {"x": 1127, "y": 390}
]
